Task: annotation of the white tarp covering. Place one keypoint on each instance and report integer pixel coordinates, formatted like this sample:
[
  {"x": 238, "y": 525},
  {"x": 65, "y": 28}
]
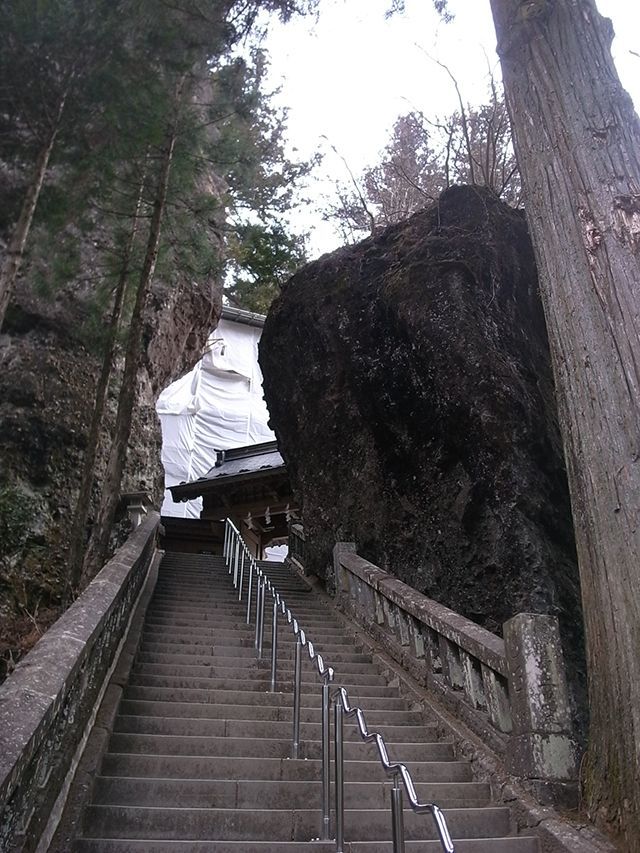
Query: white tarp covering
[{"x": 217, "y": 406}]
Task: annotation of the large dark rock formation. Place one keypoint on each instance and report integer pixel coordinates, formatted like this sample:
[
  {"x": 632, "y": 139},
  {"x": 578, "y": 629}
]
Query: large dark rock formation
[
  {"x": 409, "y": 384},
  {"x": 47, "y": 390}
]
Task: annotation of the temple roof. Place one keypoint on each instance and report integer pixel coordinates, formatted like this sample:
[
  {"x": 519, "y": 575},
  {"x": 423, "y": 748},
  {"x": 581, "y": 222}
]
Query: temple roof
[{"x": 255, "y": 461}]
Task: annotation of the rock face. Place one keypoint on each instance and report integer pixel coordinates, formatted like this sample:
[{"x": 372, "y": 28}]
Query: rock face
[
  {"x": 409, "y": 384},
  {"x": 47, "y": 383}
]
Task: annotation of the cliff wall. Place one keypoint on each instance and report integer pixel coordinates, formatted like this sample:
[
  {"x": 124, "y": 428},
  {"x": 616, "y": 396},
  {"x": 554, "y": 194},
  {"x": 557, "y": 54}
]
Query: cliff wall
[
  {"x": 48, "y": 374},
  {"x": 409, "y": 384}
]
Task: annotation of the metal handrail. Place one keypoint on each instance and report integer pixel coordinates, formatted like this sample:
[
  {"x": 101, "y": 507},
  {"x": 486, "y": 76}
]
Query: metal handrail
[
  {"x": 233, "y": 543},
  {"x": 236, "y": 561},
  {"x": 394, "y": 770}
]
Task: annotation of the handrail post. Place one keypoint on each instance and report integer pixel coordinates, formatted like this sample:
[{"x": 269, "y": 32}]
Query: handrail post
[
  {"x": 259, "y": 579},
  {"x": 241, "y": 576},
  {"x": 236, "y": 564},
  {"x": 261, "y": 631},
  {"x": 397, "y": 817},
  {"x": 326, "y": 764},
  {"x": 274, "y": 643},
  {"x": 338, "y": 758},
  {"x": 226, "y": 539},
  {"x": 249, "y": 591},
  {"x": 297, "y": 677}
]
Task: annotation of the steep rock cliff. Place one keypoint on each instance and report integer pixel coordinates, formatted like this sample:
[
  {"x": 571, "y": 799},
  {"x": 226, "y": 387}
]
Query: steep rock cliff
[
  {"x": 47, "y": 384},
  {"x": 409, "y": 384}
]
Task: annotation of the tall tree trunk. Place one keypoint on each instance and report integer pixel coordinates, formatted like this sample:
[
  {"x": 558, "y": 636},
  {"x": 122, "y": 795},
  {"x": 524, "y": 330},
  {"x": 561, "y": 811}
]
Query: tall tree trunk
[
  {"x": 82, "y": 506},
  {"x": 99, "y": 541},
  {"x": 577, "y": 140},
  {"x": 18, "y": 240}
]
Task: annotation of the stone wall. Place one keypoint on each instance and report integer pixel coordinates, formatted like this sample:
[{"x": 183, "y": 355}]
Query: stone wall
[
  {"x": 512, "y": 693},
  {"x": 46, "y": 704}
]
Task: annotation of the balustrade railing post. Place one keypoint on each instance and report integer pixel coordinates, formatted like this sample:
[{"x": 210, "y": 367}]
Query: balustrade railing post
[
  {"x": 397, "y": 817},
  {"x": 226, "y": 539},
  {"x": 274, "y": 644},
  {"x": 249, "y": 590},
  {"x": 326, "y": 763},
  {"x": 297, "y": 677},
  {"x": 338, "y": 757}
]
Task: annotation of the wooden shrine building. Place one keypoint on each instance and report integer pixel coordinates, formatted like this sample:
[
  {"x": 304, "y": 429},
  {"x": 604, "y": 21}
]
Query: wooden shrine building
[{"x": 251, "y": 486}]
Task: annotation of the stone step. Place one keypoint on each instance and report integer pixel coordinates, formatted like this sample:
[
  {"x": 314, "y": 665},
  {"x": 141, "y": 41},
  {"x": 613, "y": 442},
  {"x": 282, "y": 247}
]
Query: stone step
[
  {"x": 247, "y": 697},
  {"x": 207, "y": 591},
  {"x": 224, "y": 614},
  {"x": 249, "y": 728},
  {"x": 250, "y": 670},
  {"x": 280, "y": 713},
  {"x": 286, "y": 769},
  {"x": 184, "y": 596},
  {"x": 200, "y": 748},
  {"x": 471, "y": 845},
  {"x": 240, "y": 633},
  {"x": 222, "y": 582},
  {"x": 462, "y": 845},
  {"x": 114, "y": 845},
  {"x": 203, "y": 603},
  {"x": 199, "y": 597},
  {"x": 245, "y": 640},
  {"x": 228, "y": 656},
  {"x": 160, "y": 744},
  {"x": 286, "y": 651},
  {"x": 245, "y": 794},
  {"x": 312, "y": 627},
  {"x": 167, "y": 596},
  {"x": 259, "y": 683},
  {"x": 276, "y": 824}
]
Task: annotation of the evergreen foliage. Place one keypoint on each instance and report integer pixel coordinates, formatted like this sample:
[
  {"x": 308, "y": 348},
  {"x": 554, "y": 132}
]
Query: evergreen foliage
[
  {"x": 263, "y": 258},
  {"x": 142, "y": 144},
  {"x": 111, "y": 68}
]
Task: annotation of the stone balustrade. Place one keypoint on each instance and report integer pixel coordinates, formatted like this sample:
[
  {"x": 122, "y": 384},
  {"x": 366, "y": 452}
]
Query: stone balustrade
[
  {"x": 48, "y": 702},
  {"x": 512, "y": 692}
]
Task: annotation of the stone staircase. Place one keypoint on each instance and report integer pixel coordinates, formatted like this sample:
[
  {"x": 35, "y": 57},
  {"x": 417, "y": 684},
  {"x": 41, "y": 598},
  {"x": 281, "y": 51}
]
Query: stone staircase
[{"x": 199, "y": 757}]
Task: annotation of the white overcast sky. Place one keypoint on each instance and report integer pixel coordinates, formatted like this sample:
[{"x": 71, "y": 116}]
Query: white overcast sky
[{"x": 351, "y": 72}]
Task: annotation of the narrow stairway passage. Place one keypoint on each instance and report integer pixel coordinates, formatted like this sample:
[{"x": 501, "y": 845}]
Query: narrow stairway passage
[{"x": 199, "y": 760}]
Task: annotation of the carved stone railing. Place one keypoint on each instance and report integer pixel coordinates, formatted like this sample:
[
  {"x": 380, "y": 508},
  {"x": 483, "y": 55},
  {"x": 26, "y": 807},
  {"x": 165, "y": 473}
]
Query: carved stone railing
[
  {"x": 297, "y": 546},
  {"x": 512, "y": 692},
  {"x": 48, "y": 702}
]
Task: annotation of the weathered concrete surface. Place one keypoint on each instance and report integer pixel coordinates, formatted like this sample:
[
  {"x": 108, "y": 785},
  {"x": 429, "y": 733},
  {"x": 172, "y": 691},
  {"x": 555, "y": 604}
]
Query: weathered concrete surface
[
  {"x": 542, "y": 746},
  {"x": 409, "y": 384},
  {"x": 46, "y": 703},
  {"x": 67, "y": 822}
]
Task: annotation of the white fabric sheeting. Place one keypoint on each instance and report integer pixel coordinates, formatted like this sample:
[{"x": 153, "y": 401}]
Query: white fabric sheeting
[{"x": 217, "y": 406}]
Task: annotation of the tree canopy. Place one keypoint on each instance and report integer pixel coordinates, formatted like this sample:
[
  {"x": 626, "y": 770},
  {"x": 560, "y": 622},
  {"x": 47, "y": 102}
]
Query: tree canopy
[{"x": 425, "y": 156}]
